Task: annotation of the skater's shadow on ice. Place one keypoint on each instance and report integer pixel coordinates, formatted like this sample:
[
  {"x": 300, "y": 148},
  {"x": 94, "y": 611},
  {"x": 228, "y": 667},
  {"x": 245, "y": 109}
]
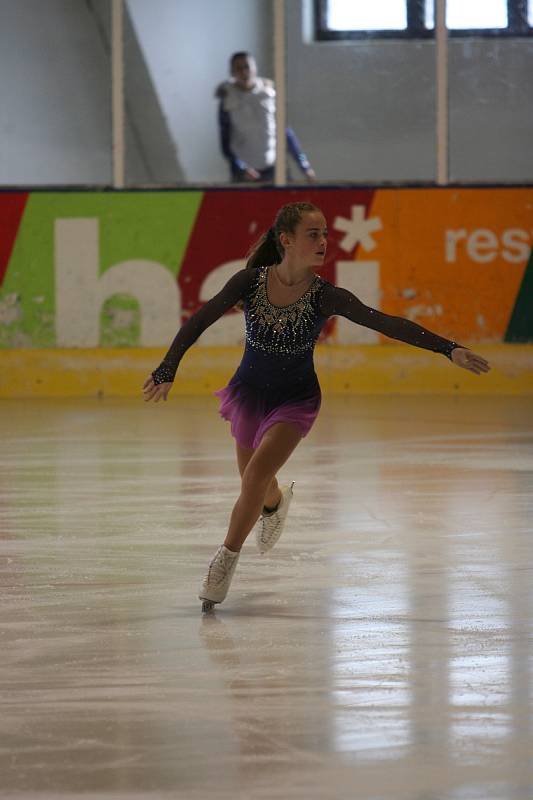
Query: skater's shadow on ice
[{"x": 250, "y": 674}]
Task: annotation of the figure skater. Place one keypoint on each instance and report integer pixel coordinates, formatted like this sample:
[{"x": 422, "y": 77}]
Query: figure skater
[{"x": 274, "y": 397}]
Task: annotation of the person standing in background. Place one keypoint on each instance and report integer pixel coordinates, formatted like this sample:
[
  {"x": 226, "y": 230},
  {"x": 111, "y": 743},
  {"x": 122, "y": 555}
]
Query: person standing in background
[{"x": 247, "y": 123}]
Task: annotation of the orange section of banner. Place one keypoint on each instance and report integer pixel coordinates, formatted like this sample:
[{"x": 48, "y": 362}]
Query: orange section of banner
[{"x": 453, "y": 260}]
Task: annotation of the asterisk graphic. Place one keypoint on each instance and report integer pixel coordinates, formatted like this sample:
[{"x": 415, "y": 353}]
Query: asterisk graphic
[{"x": 357, "y": 229}]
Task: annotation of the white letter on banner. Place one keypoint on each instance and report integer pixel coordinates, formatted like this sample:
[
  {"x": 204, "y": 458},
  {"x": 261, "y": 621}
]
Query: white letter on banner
[
  {"x": 451, "y": 239},
  {"x": 362, "y": 279},
  {"x": 517, "y": 243},
  {"x": 482, "y": 245},
  {"x": 229, "y": 330},
  {"x": 81, "y": 291}
]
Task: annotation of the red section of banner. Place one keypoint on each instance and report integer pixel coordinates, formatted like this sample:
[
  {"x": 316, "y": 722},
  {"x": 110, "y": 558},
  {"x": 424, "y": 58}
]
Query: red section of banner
[
  {"x": 11, "y": 211},
  {"x": 229, "y": 222}
]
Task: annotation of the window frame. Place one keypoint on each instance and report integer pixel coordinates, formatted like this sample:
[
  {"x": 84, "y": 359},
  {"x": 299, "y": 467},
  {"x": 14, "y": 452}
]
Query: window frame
[{"x": 517, "y": 25}]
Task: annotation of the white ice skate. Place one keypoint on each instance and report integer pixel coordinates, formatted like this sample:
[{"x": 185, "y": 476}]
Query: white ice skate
[
  {"x": 271, "y": 525},
  {"x": 217, "y": 581}
]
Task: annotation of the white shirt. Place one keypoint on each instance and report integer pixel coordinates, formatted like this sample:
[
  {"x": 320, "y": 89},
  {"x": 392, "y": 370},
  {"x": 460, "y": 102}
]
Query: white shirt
[{"x": 253, "y": 121}]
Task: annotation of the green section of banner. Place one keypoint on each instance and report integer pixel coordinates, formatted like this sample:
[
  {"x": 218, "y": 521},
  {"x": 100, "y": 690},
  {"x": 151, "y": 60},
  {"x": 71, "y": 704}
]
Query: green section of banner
[
  {"x": 520, "y": 328},
  {"x": 153, "y": 226}
]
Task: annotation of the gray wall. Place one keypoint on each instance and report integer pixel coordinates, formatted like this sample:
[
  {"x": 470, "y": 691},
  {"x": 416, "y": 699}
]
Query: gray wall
[
  {"x": 364, "y": 111},
  {"x": 187, "y": 44},
  {"x": 491, "y": 110},
  {"x": 55, "y": 90},
  {"x": 55, "y": 94}
]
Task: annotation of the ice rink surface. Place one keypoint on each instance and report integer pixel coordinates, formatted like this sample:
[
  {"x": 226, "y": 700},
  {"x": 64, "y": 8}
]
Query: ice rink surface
[{"x": 382, "y": 651}]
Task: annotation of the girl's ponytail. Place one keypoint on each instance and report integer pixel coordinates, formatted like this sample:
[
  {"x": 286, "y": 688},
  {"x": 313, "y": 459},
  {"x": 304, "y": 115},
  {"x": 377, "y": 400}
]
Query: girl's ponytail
[{"x": 265, "y": 251}]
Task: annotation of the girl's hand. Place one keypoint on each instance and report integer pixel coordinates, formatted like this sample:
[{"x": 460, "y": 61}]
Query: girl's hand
[
  {"x": 155, "y": 392},
  {"x": 469, "y": 360}
]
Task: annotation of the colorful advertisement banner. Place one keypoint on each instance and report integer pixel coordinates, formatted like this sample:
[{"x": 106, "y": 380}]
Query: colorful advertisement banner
[{"x": 125, "y": 269}]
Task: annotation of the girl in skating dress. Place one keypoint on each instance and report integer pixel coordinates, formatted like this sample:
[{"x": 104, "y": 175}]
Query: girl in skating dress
[{"x": 274, "y": 396}]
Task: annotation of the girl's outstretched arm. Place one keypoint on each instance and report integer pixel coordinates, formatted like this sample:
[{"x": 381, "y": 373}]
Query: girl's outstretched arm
[
  {"x": 158, "y": 384},
  {"x": 342, "y": 302}
]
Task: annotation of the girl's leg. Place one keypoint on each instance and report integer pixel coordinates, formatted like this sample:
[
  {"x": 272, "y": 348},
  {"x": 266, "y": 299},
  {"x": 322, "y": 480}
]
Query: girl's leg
[
  {"x": 273, "y": 493},
  {"x": 276, "y": 446}
]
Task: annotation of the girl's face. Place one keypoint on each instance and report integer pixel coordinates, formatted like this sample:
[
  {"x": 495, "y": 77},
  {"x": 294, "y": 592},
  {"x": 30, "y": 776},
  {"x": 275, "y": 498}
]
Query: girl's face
[{"x": 308, "y": 243}]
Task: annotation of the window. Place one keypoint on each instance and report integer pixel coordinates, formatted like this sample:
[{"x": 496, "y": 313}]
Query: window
[
  {"x": 387, "y": 15},
  {"x": 409, "y": 19},
  {"x": 472, "y": 15}
]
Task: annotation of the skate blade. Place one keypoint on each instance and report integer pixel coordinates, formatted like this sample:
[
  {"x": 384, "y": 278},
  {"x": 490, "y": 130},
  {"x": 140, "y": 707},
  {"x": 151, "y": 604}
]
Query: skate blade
[{"x": 207, "y": 605}]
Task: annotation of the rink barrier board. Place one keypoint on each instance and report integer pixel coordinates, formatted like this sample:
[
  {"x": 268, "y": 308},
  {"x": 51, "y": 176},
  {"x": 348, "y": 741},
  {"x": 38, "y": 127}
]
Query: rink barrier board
[
  {"x": 93, "y": 269},
  {"x": 358, "y": 369}
]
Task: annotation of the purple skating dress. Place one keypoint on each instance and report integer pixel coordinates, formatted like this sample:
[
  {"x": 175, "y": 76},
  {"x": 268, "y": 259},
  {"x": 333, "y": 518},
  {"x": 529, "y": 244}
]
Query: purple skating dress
[{"x": 276, "y": 379}]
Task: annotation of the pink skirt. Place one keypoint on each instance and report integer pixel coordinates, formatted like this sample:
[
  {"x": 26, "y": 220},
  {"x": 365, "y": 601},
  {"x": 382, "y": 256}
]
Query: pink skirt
[{"x": 252, "y": 412}]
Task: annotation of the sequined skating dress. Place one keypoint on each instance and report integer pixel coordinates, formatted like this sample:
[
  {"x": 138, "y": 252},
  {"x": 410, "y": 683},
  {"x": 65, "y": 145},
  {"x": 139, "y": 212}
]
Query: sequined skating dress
[{"x": 276, "y": 379}]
